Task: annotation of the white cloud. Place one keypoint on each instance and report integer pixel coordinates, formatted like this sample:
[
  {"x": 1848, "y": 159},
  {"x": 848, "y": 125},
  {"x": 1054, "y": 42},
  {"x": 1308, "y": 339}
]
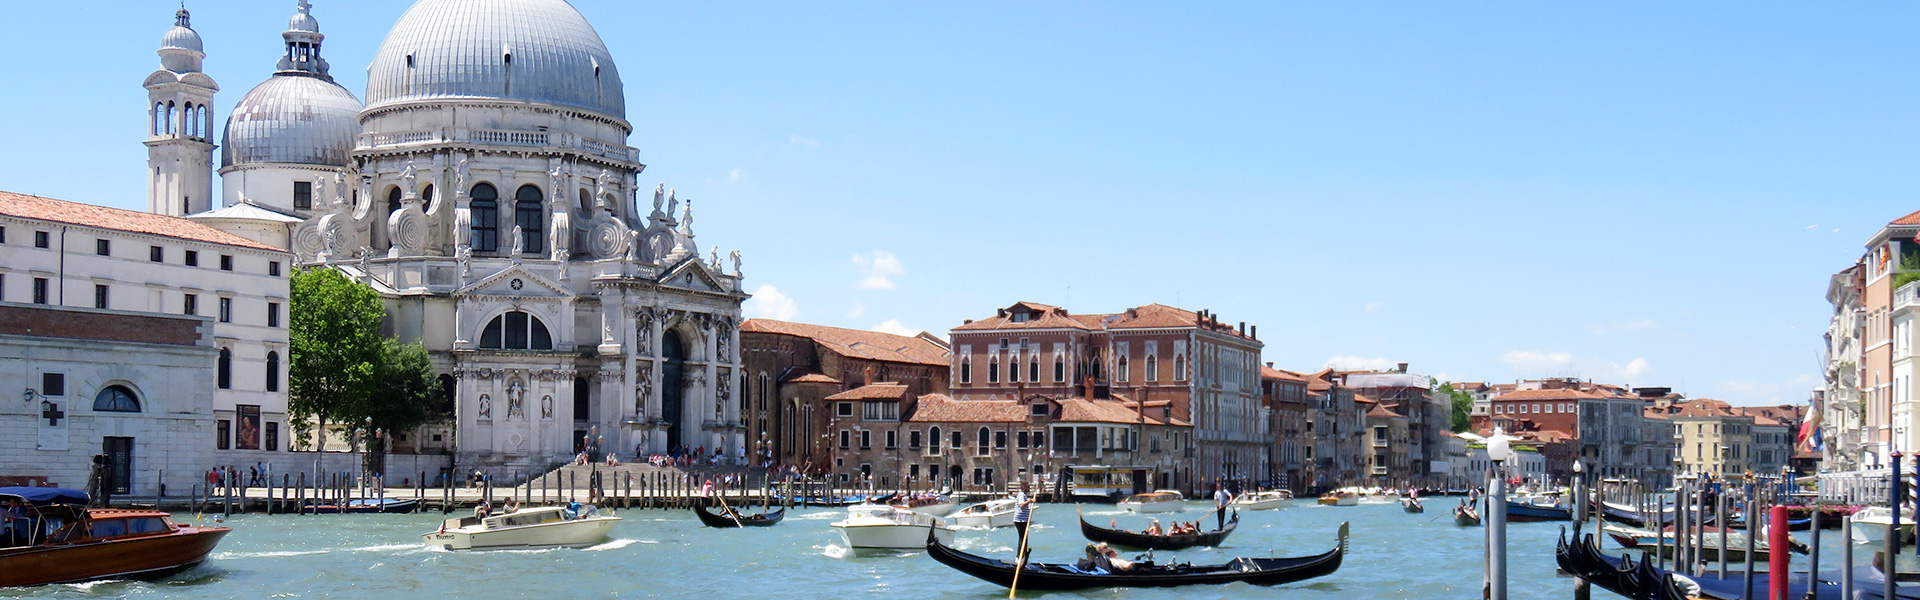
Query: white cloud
[
  {"x": 736, "y": 174},
  {"x": 893, "y": 326},
  {"x": 808, "y": 142},
  {"x": 880, "y": 268},
  {"x": 768, "y": 303},
  {"x": 1535, "y": 360},
  {"x": 1634, "y": 325},
  {"x": 858, "y": 309},
  {"x": 1372, "y": 307},
  {"x": 1634, "y": 368},
  {"x": 1360, "y": 363}
]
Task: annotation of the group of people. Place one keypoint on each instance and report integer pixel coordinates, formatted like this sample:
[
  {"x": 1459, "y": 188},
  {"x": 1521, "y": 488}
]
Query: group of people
[{"x": 1188, "y": 528}]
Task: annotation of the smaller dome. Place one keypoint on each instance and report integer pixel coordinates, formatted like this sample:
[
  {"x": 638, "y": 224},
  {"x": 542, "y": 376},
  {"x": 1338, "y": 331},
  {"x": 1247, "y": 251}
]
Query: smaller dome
[
  {"x": 303, "y": 22},
  {"x": 182, "y": 38},
  {"x": 292, "y": 118}
]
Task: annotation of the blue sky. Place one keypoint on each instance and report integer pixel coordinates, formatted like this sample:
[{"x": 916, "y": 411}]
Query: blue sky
[{"x": 1638, "y": 193}]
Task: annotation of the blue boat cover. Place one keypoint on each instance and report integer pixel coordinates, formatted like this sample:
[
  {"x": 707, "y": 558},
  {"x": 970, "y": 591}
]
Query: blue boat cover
[{"x": 42, "y": 496}]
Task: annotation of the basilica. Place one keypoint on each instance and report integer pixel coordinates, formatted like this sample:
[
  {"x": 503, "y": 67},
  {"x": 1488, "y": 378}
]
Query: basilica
[{"x": 485, "y": 188}]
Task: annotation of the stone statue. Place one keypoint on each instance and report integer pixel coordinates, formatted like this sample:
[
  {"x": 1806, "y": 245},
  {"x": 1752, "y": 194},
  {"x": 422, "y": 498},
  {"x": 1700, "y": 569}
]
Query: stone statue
[
  {"x": 633, "y": 246},
  {"x": 460, "y": 174},
  {"x": 463, "y": 254},
  {"x": 486, "y": 406},
  {"x": 553, "y": 184},
  {"x": 516, "y": 400},
  {"x": 673, "y": 204},
  {"x": 519, "y": 242},
  {"x": 600, "y": 187},
  {"x": 366, "y": 254},
  {"x": 330, "y": 239},
  {"x": 546, "y": 408},
  {"x": 735, "y": 255},
  {"x": 407, "y": 177},
  {"x": 686, "y": 217},
  {"x": 339, "y": 191},
  {"x": 659, "y": 195},
  {"x": 713, "y": 258}
]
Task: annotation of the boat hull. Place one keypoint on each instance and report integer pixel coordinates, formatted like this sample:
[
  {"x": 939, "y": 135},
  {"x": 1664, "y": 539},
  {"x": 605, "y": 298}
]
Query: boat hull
[
  {"x": 1340, "y": 501},
  {"x": 1254, "y": 571},
  {"x": 1131, "y": 539},
  {"x": 993, "y": 520},
  {"x": 1262, "y": 503},
  {"x": 578, "y": 532},
  {"x": 891, "y": 537},
  {"x": 155, "y": 556},
  {"x": 1466, "y": 519},
  {"x": 725, "y": 521},
  {"x": 1519, "y": 512},
  {"x": 1168, "y": 506}
]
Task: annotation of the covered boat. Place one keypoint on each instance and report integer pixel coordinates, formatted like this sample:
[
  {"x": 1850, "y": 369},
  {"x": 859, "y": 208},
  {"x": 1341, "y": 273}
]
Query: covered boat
[
  {"x": 1067, "y": 576},
  {"x": 731, "y": 518},
  {"x": 527, "y": 527},
  {"x": 879, "y": 526},
  {"x": 1157, "y": 501},
  {"x": 1122, "y": 537},
  {"x": 1263, "y": 500},
  {"x": 987, "y": 515},
  {"x": 1871, "y": 523},
  {"x": 1339, "y": 498},
  {"x": 54, "y": 538}
]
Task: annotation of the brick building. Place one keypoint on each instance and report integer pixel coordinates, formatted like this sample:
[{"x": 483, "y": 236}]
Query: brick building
[
  {"x": 792, "y": 369},
  {"x": 1206, "y": 370},
  {"x": 1285, "y": 394}
]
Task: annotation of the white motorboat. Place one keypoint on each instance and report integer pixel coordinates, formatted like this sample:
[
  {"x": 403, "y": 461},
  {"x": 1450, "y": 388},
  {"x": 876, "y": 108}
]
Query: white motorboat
[
  {"x": 1870, "y": 525},
  {"x": 1263, "y": 500},
  {"x": 987, "y": 515},
  {"x": 1157, "y": 501},
  {"x": 888, "y": 527},
  {"x": 938, "y": 505},
  {"x": 1339, "y": 498},
  {"x": 531, "y": 527}
]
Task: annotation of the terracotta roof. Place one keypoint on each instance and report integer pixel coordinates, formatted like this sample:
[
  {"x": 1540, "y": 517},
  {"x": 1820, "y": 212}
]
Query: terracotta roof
[
  {"x": 1701, "y": 408},
  {"x": 875, "y": 391},
  {"x": 1082, "y": 410},
  {"x": 1140, "y": 317},
  {"x": 75, "y": 213},
  {"x": 810, "y": 378},
  {"x": 1379, "y": 410},
  {"x": 1547, "y": 395},
  {"x": 1272, "y": 373},
  {"x": 856, "y": 343},
  {"x": 941, "y": 408},
  {"x": 1912, "y": 218}
]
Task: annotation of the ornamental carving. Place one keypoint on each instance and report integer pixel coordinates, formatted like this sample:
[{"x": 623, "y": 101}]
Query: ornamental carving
[
  {"x": 643, "y": 331},
  {"x": 516, "y": 400},
  {"x": 486, "y": 406},
  {"x": 607, "y": 239},
  {"x": 546, "y": 408}
]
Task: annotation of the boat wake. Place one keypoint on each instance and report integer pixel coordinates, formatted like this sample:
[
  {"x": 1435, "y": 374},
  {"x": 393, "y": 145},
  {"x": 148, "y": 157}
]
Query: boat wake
[
  {"x": 269, "y": 554},
  {"x": 610, "y": 545},
  {"x": 834, "y": 551},
  {"x": 389, "y": 547}
]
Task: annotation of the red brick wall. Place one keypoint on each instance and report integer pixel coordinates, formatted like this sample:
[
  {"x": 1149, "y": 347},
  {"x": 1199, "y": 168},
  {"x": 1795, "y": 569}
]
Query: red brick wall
[{"x": 92, "y": 325}]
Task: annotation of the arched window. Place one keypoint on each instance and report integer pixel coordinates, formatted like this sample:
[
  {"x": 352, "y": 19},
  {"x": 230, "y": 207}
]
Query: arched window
[
  {"x": 159, "y": 118},
  {"x": 586, "y": 202},
  {"x": 1013, "y": 368},
  {"x": 273, "y": 371},
  {"x": 1033, "y": 367},
  {"x": 966, "y": 369},
  {"x": 985, "y": 438},
  {"x": 393, "y": 199},
  {"x": 515, "y": 330},
  {"x": 426, "y": 198},
  {"x": 1153, "y": 368},
  {"x": 170, "y": 109},
  {"x": 526, "y": 215},
  {"x": 956, "y": 438},
  {"x": 993, "y": 369},
  {"x": 486, "y": 217},
  {"x": 186, "y": 119},
  {"x": 224, "y": 370},
  {"x": 115, "y": 398},
  {"x": 933, "y": 439},
  {"x": 1059, "y": 368},
  {"x": 1124, "y": 370},
  {"x": 1179, "y": 367}
]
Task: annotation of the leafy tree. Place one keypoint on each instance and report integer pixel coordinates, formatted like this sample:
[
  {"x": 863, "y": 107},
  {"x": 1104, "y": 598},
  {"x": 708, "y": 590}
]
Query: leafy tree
[
  {"x": 1462, "y": 406},
  {"x": 342, "y": 370},
  {"x": 334, "y": 334}
]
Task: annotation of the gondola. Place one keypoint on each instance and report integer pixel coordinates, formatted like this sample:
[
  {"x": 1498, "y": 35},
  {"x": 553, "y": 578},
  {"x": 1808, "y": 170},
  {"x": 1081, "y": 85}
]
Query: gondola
[
  {"x": 1527, "y": 512},
  {"x": 1412, "y": 505},
  {"x": 836, "y": 501},
  {"x": 1055, "y": 576},
  {"x": 1641, "y": 580},
  {"x": 722, "y": 520},
  {"x": 1121, "y": 537},
  {"x": 1465, "y": 516}
]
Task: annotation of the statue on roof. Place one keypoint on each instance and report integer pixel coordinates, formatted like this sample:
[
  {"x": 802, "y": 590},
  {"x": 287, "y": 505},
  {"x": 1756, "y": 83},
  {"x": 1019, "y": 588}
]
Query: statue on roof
[
  {"x": 673, "y": 203},
  {"x": 407, "y": 177},
  {"x": 735, "y": 255},
  {"x": 659, "y": 194}
]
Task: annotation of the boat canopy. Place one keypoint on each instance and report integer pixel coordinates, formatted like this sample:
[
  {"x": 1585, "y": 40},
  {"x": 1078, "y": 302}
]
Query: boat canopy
[{"x": 43, "y": 496}]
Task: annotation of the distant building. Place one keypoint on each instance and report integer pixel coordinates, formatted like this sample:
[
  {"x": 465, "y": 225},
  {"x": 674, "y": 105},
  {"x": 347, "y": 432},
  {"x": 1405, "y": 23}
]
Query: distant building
[
  {"x": 1286, "y": 398},
  {"x": 1411, "y": 396},
  {"x": 792, "y": 369},
  {"x": 1338, "y": 426},
  {"x": 1712, "y": 438},
  {"x": 1387, "y": 443},
  {"x": 1208, "y": 372}
]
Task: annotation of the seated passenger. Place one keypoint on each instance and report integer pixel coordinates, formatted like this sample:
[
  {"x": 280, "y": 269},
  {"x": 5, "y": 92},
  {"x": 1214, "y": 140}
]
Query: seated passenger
[
  {"x": 483, "y": 509},
  {"x": 1113, "y": 560},
  {"x": 1096, "y": 561},
  {"x": 1155, "y": 529}
]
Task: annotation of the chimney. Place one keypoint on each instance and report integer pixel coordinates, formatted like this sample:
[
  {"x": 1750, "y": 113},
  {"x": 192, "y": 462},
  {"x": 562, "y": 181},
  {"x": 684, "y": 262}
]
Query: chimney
[
  {"x": 1243, "y": 328},
  {"x": 1256, "y": 332},
  {"x": 1402, "y": 368},
  {"x": 1269, "y": 364}
]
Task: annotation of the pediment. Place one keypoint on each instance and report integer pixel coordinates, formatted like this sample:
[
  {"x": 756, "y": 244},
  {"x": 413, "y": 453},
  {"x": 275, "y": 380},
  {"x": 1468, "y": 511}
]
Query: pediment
[
  {"x": 694, "y": 275},
  {"x": 515, "y": 281}
]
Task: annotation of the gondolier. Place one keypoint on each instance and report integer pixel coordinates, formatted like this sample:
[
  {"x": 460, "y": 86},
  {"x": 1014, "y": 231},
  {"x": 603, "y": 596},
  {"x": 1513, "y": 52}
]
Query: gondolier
[
  {"x": 1022, "y": 510},
  {"x": 1221, "y": 498}
]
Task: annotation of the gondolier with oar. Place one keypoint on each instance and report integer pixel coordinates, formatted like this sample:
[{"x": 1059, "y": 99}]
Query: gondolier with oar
[
  {"x": 1221, "y": 498},
  {"x": 1022, "y": 515}
]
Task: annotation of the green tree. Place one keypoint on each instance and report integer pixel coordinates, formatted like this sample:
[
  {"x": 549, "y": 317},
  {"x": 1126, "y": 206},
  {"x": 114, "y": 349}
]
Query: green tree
[
  {"x": 1462, "y": 406},
  {"x": 334, "y": 334},
  {"x": 342, "y": 370}
]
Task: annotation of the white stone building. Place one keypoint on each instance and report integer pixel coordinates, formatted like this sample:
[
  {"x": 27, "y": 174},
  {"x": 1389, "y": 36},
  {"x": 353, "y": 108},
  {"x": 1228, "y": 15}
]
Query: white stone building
[
  {"x": 487, "y": 191},
  {"x": 111, "y": 261}
]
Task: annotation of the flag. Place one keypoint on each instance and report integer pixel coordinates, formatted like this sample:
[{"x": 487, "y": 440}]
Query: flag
[{"x": 1810, "y": 438}]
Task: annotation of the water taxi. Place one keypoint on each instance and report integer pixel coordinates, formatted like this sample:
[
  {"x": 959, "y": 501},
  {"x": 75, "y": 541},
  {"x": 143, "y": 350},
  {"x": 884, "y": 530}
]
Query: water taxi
[
  {"x": 51, "y": 537},
  {"x": 1340, "y": 498},
  {"x": 527, "y": 527},
  {"x": 987, "y": 515},
  {"x": 879, "y": 526},
  {"x": 1263, "y": 500},
  {"x": 1157, "y": 501}
]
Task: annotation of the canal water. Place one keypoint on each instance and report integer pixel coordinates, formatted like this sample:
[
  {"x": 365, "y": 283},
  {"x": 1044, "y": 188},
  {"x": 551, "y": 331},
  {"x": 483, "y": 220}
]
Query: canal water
[{"x": 668, "y": 554}]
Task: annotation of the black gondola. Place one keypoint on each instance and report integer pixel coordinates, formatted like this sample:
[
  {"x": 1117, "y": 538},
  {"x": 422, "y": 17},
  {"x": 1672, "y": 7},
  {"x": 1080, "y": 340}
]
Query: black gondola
[
  {"x": 1465, "y": 516},
  {"x": 724, "y": 521},
  {"x": 1051, "y": 576},
  {"x": 1121, "y": 537},
  {"x": 1412, "y": 505}
]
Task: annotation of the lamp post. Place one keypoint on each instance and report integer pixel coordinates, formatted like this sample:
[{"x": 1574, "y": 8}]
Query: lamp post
[
  {"x": 1893, "y": 530},
  {"x": 1579, "y": 495},
  {"x": 1499, "y": 449}
]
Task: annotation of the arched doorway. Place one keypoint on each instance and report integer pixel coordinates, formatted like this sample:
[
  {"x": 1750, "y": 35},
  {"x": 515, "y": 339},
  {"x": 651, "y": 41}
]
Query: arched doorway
[{"x": 673, "y": 386}]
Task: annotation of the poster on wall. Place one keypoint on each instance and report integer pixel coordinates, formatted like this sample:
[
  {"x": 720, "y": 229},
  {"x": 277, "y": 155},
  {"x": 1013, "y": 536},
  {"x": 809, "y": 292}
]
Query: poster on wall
[{"x": 249, "y": 438}]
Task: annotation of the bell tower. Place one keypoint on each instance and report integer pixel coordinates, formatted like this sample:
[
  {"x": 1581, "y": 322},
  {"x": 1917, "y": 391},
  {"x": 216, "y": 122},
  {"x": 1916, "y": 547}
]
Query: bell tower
[{"x": 180, "y": 125}]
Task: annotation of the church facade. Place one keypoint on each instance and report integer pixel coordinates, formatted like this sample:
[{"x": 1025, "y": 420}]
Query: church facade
[{"x": 486, "y": 190}]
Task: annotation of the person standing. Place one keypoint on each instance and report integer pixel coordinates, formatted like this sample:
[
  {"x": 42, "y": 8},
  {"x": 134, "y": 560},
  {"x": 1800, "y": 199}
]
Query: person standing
[
  {"x": 1220, "y": 500},
  {"x": 1022, "y": 513}
]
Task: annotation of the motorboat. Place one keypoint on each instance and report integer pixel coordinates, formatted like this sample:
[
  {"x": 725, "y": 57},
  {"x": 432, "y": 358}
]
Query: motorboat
[
  {"x": 987, "y": 515},
  {"x": 1871, "y": 523},
  {"x": 366, "y": 505},
  {"x": 1157, "y": 501},
  {"x": 1537, "y": 508},
  {"x": 880, "y": 526},
  {"x": 1263, "y": 500},
  {"x": 938, "y": 505},
  {"x": 54, "y": 538},
  {"x": 1340, "y": 498},
  {"x": 527, "y": 527}
]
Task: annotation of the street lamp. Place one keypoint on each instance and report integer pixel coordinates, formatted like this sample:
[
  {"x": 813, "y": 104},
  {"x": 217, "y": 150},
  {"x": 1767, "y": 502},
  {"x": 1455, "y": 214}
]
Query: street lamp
[
  {"x": 1499, "y": 450},
  {"x": 1579, "y": 493}
]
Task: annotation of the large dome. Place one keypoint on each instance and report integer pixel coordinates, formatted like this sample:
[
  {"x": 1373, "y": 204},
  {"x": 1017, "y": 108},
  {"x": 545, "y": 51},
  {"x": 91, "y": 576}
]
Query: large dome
[
  {"x": 539, "y": 51},
  {"x": 292, "y": 118}
]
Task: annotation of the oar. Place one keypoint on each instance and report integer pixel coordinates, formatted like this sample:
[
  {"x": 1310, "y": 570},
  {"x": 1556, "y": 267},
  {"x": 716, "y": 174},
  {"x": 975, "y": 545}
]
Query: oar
[
  {"x": 730, "y": 514},
  {"x": 1020, "y": 556}
]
